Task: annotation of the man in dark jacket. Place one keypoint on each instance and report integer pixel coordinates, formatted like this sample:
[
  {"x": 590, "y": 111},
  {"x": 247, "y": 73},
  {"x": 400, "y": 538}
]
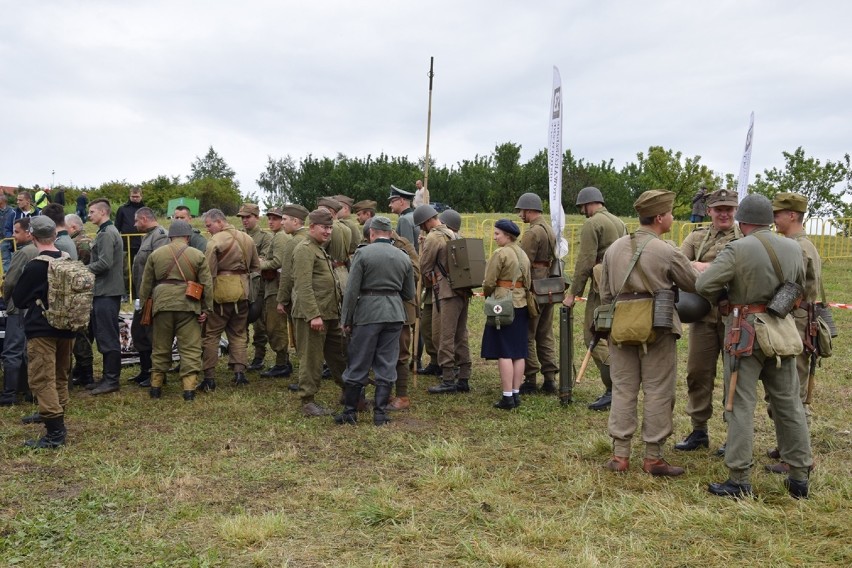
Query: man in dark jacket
[
  {"x": 49, "y": 348},
  {"x": 125, "y": 221}
]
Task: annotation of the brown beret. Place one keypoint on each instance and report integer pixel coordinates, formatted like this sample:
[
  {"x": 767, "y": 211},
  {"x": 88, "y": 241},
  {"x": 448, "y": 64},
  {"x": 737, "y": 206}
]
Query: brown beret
[
  {"x": 364, "y": 205},
  {"x": 722, "y": 198},
  {"x": 320, "y": 217},
  {"x": 249, "y": 209},
  {"x": 654, "y": 202},
  {"x": 790, "y": 202},
  {"x": 329, "y": 202},
  {"x": 348, "y": 201},
  {"x": 295, "y": 210}
]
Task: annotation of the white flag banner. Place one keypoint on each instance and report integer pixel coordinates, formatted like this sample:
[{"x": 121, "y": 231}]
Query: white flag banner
[
  {"x": 554, "y": 165},
  {"x": 742, "y": 181}
]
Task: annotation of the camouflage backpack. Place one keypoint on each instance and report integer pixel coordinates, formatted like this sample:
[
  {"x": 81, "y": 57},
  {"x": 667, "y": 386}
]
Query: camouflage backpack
[{"x": 69, "y": 293}]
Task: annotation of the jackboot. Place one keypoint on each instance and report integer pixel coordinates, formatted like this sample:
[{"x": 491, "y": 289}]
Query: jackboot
[
  {"x": 111, "y": 376},
  {"x": 380, "y": 415},
  {"x": 144, "y": 375},
  {"x": 54, "y": 437},
  {"x": 10, "y": 386},
  {"x": 351, "y": 396},
  {"x": 447, "y": 386}
]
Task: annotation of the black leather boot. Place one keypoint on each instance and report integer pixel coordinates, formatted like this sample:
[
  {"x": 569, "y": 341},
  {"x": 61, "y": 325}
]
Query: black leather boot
[
  {"x": 85, "y": 377},
  {"x": 528, "y": 386},
  {"x": 446, "y": 387},
  {"x": 54, "y": 437},
  {"x": 603, "y": 402},
  {"x": 380, "y": 415},
  {"x": 240, "y": 379},
  {"x": 156, "y": 392},
  {"x": 462, "y": 385},
  {"x": 256, "y": 363},
  {"x": 34, "y": 418},
  {"x": 144, "y": 375},
  {"x": 351, "y": 396},
  {"x": 696, "y": 439},
  {"x": 112, "y": 374},
  {"x": 206, "y": 385},
  {"x": 189, "y": 396}
]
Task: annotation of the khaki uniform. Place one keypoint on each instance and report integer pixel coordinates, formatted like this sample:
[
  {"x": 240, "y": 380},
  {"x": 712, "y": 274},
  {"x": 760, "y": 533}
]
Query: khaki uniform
[
  {"x": 357, "y": 233},
  {"x": 706, "y": 337},
  {"x": 263, "y": 241},
  {"x": 175, "y": 315},
  {"x": 338, "y": 249},
  {"x": 285, "y": 285},
  {"x": 598, "y": 233},
  {"x": 746, "y": 270},
  {"x": 316, "y": 293},
  {"x": 276, "y": 324},
  {"x": 229, "y": 252},
  {"x": 411, "y": 305},
  {"x": 142, "y": 335},
  {"x": 539, "y": 243},
  {"x": 813, "y": 289},
  {"x": 449, "y": 307},
  {"x": 632, "y": 367}
]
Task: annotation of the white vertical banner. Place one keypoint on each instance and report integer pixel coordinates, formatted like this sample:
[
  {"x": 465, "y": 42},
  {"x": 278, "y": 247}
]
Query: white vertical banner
[
  {"x": 742, "y": 181},
  {"x": 554, "y": 165}
]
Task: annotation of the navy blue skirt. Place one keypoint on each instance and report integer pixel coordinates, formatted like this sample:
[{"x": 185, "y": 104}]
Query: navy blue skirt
[{"x": 508, "y": 342}]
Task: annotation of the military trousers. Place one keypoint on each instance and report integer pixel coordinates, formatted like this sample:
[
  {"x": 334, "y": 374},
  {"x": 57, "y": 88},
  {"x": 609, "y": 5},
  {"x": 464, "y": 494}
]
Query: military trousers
[
  {"x": 141, "y": 334},
  {"x": 314, "y": 346},
  {"x": 451, "y": 336},
  {"x": 184, "y": 326},
  {"x": 231, "y": 318},
  {"x": 655, "y": 374},
  {"x": 781, "y": 385},
  {"x": 404, "y": 358},
  {"x": 542, "y": 345},
  {"x": 706, "y": 342},
  {"x": 277, "y": 330},
  {"x": 50, "y": 361},
  {"x": 105, "y": 311},
  {"x": 83, "y": 349},
  {"x": 427, "y": 333},
  {"x": 373, "y": 346}
]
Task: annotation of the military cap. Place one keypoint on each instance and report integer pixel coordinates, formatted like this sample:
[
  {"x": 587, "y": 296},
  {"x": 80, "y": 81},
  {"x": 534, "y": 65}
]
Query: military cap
[
  {"x": 364, "y": 205},
  {"x": 654, "y": 202},
  {"x": 722, "y": 198},
  {"x": 396, "y": 193},
  {"x": 507, "y": 227},
  {"x": 790, "y": 202},
  {"x": 295, "y": 210},
  {"x": 320, "y": 217},
  {"x": 274, "y": 211},
  {"x": 42, "y": 227},
  {"x": 329, "y": 202},
  {"x": 381, "y": 224},
  {"x": 348, "y": 201},
  {"x": 180, "y": 229},
  {"x": 249, "y": 209}
]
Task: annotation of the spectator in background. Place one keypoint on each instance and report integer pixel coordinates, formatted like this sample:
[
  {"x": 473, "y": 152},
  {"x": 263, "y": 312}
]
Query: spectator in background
[
  {"x": 83, "y": 205},
  {"x": 125, "y": 220},
  {"x": 699, "y": 205},
  {"x": 5, "y": 210},
  {"x": 59, "y": 197},
  {"x": 25, "y": 209},
  {"x": 42, "y": 198}
]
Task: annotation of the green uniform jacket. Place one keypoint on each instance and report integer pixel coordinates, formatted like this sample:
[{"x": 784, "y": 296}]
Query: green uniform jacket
[
  {"x": 274, "y": 261},
  {"x": 598, "y": 233},
  {"x": 316, "y": 292},
  {"x": 813, "y": 267},
  {"x": 20, "y": 259},
  {"x": 285, "y": 286},
  {"x": 171, "y": 297},
  {"x": 704, "y": 244},
  {"x": 338, "y": 244},
  {"x": 262, "y": 240},
  {"x": 357, "y": 234},
  {"x": 508, "y": 263},
  {"x": 107, "y": 262},
  {"x": 746, "y": 270},
  {"x": 663, "y": 264},
  {"x": 539, "y": 244},
  {"x": 153, "y": 239},
  {"x": 232, "y": 251},
  {"x": 379, "y": 266}
]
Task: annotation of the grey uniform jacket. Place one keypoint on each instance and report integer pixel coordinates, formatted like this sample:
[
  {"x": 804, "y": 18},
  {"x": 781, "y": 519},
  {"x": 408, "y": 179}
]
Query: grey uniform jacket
[
  {"x": 380, "y": 279},
  {"x": 107, "y": 262}
]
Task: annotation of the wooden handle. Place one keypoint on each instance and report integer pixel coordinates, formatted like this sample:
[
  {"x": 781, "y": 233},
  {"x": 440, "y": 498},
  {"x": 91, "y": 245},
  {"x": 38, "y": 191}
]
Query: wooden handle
[
  {"x": 732, "y": 388},
  {"x": 583, "y": 366}
]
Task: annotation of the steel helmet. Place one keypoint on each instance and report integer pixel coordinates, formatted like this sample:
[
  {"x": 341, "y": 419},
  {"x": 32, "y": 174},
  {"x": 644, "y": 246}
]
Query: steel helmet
[
  {"x": 589, "y": 195},
  {"x": 423, "y": 213},
  {"x": 755, "y": 209},
  {"x": 691, "y": 307},
  {"x": 529, "y": 201},
  {"x": 451, "y": 219}
]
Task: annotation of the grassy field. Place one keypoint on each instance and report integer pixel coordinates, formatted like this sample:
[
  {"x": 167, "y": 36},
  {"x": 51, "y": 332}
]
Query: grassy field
[{"x": 239, "y": 478}]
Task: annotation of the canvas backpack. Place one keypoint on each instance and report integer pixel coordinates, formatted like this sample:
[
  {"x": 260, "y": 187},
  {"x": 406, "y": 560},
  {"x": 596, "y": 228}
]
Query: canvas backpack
[{"x": 70, "y": 286}]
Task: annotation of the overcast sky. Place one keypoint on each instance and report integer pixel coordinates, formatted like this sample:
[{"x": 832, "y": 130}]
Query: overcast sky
[{"x": 108, "y": 90}]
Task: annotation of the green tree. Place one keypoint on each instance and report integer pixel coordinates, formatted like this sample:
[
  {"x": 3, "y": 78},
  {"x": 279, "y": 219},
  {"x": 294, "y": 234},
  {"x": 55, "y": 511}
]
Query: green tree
[
  {"x": 212, "y": 165},
  {"x": 212, "y": 192},
  {"x": 823, "y": 184},
  {"x": 667, "y": 169},
  {"x": 277, "y": 180},
  {"x": 158, "y": 191}
]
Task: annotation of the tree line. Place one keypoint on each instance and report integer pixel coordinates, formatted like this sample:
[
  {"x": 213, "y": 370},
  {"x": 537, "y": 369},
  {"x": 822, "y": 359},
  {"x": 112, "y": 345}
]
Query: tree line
[{"x": 488, "y": 183}]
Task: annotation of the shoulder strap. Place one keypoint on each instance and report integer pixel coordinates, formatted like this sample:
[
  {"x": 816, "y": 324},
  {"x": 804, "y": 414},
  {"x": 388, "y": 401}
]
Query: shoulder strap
[
  {"x": 520, "y": 268},
  {"x": 637, "y": 252},
  {"x": 772, "y": 256}
]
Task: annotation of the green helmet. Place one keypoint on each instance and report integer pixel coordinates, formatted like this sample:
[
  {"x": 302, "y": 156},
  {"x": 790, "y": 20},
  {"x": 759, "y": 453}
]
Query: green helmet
[
  {"x": 529, "y": 201},
  {"x": 755, "y": 209},
  {"x": 451, "y": 219},
  {"x": 423, "y": 213},
  {"x": 589, "y": 195}
]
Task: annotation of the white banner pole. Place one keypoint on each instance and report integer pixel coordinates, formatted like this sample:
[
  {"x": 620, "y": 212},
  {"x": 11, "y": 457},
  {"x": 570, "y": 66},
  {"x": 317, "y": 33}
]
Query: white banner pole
[{"x": 554, "y": 165}]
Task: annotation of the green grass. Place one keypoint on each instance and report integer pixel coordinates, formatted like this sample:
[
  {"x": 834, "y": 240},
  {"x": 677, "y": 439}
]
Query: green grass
[{"x": 239, "y": 478}]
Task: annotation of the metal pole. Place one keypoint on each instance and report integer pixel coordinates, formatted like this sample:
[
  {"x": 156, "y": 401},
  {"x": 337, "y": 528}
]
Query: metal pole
[{"x": 426, "y": 198}]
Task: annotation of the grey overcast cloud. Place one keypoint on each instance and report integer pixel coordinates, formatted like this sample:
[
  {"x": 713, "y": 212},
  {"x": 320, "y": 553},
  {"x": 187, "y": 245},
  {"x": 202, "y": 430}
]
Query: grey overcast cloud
[{"x": 100, "y": 90}]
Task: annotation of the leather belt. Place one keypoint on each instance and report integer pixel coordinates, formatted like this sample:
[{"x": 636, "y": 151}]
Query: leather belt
[
  {"x": 633, "y": 296},
  {"x": 749, "y": 308},
  {"x": 236, "y": 272},
  {"x": 170, "y": 281},
  {"x": 510, "y": 284},
  {"x": 541, "y": 264},
  {"x": 379, "y": 293}
]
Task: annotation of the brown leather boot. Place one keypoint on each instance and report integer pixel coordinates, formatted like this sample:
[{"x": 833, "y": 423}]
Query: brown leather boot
[
  {"x": 661, "y": 468},
  {"x": 399, "y": 403},
  {"x": 618, "y": 464}
]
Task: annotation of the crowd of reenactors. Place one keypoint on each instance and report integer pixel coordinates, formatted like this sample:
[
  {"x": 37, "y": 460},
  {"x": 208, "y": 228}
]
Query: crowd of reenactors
[{"x": 361, "y": 300}]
